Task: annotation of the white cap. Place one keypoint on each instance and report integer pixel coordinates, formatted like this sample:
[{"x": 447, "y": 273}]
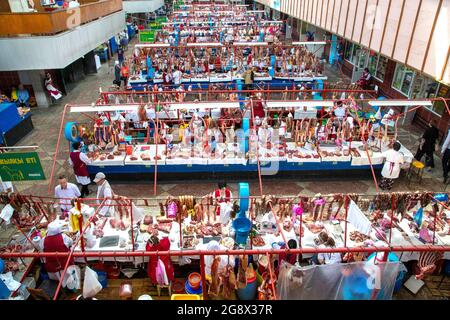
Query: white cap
[{"x": 99, "y": 176}]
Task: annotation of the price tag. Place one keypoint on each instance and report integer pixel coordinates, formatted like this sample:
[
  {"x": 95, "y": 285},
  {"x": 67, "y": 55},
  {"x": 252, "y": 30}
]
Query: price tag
[
  {"x": 334, "y": 162},
  {"x": 189, "y": 165},
  {"x": 103, "y": 167},
  {"x": 300, "y": 163},
  {"x": 148, "y": 166},
  {"x": 226, "y": 165}
]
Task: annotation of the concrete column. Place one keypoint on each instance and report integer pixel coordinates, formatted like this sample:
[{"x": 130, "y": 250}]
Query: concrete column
[{"x": 35, "y": 78}]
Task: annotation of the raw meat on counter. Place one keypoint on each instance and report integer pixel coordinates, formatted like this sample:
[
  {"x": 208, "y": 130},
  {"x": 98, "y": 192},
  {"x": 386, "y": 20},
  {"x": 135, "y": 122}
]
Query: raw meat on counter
[
  {"x": 11, "y": 266},
  {"x": 258, "y": 241},
  {"x": 315, "y": 227},
  {"x": 358, "y": 236},
  {"x": 11, "y": 248}
]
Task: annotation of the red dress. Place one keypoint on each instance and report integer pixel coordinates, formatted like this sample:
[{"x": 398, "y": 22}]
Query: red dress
[{"x": 164, "y": 245}]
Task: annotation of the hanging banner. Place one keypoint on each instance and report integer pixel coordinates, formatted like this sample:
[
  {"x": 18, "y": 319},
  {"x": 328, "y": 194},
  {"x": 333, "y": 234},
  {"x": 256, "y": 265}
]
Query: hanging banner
[
  {"x": 21, "y": 167},
  {"x": 147, "y": 36},
  {"x": 155, "y": 26},
  {"x": 161, "y": 20}
]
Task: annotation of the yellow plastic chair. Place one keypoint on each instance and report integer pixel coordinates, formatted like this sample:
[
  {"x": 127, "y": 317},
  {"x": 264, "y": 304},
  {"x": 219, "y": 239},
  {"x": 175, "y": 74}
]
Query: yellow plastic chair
[
  {"x": 185, "y": 297},
  {"x": 416, "y": 169}
]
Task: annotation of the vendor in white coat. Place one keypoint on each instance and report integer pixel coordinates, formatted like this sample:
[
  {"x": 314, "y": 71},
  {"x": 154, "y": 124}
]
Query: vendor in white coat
[
  {"x": 391, "y": 168},
  {"x": 65, "y": 192},
  {"x": 55, "y": 241},
  {"x": 265, "y": 133},
  {"x": 104, "y": 191}
]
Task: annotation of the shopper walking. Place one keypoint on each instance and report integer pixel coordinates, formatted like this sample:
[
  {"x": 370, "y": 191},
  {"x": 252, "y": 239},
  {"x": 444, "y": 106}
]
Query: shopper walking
[
  {"x": 445, "y": 153},
  {"x": 79, "y": 161},
  {"x": 124, "y": 73},
  {"x": 117, "y": 73},
  {"x": 120, "y": 54},
  {"x": 391, "y": 168},
  {"x": 427, "y": 145}
]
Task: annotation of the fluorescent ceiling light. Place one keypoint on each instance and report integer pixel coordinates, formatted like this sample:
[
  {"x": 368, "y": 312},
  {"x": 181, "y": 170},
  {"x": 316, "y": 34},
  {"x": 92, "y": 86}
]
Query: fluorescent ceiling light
[
  {"x": 299, "y": 104},
  {"x": 250, "y": 43},
  {"x": 395, "y": 103},
  {"x": 300, "y": 43},
  {"x": 204, "y": 105},
  {"x": 132, "y": 107}
]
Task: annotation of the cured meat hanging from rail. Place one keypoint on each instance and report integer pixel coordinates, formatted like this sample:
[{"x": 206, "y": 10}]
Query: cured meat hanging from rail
[
  {"x": 242, "y": 272},
  {"x": 214, "y": 287},
  {"x": 229, "y": 284}
]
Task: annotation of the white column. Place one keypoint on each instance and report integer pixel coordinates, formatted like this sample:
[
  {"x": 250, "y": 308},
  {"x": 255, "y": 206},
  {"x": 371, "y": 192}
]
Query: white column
[{"x": 36, "y": 78}]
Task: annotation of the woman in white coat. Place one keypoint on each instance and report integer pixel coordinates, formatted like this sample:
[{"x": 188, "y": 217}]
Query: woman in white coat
[{"x": 391, "y": 168}]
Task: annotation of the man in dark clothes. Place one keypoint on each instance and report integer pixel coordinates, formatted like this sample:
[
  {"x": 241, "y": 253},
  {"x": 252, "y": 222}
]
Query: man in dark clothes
[
  {"x": 120, "y": 54},
  {"x": 427, "y": 145},
  {"x": 117, "y": 73}
]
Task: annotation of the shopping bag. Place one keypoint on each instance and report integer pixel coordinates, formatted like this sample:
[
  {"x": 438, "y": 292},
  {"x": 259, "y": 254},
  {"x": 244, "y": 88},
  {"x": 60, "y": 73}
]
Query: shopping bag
[
  {"x": 91, "y": 285},
  {"x": 7, "y": 213},
  {"x": 72, "y": 278},
  {"x": 161, "y": 275}
]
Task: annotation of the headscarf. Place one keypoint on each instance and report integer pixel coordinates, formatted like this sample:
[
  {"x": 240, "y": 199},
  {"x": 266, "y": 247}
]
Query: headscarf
[{"x": 54, "y": 228}]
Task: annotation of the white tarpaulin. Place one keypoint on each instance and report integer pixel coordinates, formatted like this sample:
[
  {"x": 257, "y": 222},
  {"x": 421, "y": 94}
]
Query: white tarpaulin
[
  {"x": 339, "y": 281},
  {"x": 357, "y": 218}
]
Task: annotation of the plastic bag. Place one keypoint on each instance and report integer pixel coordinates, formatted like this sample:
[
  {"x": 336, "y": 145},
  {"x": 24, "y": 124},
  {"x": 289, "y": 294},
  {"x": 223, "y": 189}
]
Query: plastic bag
[
  {"x": 184, "y": 261},
  {"x": 224, "y": 259},
  {"x": 72, "y": 278},
  {"x": 174, "y": 235},
  {"x": 91, "y": 285},
  {"x": 138, "y": 213},
  {"x": 161, "y": 275},
  {"x": 7, "y": 213},
  {"x": 225, "y": 212}
]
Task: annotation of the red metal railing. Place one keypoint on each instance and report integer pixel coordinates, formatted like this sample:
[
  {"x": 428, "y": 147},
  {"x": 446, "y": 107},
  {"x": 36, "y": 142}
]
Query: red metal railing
[{"x": 201, "y": 253}]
